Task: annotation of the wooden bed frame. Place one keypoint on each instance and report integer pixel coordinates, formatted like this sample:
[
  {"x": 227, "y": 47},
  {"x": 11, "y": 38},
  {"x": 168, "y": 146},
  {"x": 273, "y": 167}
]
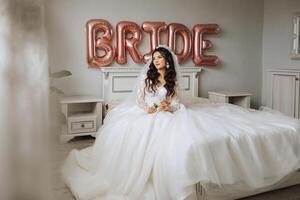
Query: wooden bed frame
[
  {"x": 117, "y": 84},
  {"x": 118, "y": 81}
]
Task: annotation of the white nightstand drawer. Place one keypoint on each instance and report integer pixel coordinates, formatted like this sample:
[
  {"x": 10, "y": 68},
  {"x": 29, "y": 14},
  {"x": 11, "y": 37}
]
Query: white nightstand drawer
[{"x": 82, "y": 126}]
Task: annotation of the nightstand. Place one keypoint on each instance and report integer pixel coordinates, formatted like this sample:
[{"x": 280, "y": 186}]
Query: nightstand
[
  {"x": 83, "y": 116},
  {"x": 237, "y": 98}
]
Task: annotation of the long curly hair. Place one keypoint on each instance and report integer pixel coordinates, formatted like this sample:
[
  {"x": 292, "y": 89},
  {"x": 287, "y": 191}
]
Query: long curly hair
[{"x": 151, "y": 80}]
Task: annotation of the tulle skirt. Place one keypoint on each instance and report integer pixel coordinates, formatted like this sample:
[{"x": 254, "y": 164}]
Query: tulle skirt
[{"x": 161, "y": 156}]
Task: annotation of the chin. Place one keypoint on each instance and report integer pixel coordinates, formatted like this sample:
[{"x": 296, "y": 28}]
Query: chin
[{"x": 160, "y": 67}]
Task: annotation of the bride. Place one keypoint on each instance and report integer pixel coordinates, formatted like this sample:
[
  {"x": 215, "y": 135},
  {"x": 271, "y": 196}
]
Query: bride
[{"x": 152, "y": 147}]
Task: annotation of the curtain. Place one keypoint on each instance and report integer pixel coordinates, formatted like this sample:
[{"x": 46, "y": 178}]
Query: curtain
[{"x": 24, "y": 134}]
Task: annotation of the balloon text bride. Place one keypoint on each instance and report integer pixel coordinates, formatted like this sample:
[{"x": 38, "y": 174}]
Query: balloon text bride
[{"x": 101, "y": 52}]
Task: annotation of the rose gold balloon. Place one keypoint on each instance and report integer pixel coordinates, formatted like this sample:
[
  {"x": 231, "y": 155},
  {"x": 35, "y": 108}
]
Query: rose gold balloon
[
  {"x": 183, "y": 31},
  {"x": 96, "y": 43},
  {"x": 206, "y": 44},
  {"x": 129, "y": 35},
  {"x": 154, "y": 29},
  {"x": 199, "y": 30}
]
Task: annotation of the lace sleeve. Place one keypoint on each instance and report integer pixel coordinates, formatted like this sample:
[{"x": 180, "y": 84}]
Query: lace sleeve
[
  {"x": 175, "y": 102},
  {"x": 140, "y": 98}
]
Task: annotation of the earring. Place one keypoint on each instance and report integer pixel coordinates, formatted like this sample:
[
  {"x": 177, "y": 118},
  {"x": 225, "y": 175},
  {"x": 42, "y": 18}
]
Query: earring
[{"x": 168, "y": 66}]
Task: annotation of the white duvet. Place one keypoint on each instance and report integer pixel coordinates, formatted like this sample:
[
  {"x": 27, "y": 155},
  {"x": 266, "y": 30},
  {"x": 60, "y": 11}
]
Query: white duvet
[{"x": 139, "y": 156}]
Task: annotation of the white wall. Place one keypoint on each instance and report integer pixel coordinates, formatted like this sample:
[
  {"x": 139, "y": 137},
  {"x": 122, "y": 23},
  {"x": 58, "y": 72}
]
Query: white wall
[
  {"x": 238, "y": 45},
  {"x": 277, "y": 38}
]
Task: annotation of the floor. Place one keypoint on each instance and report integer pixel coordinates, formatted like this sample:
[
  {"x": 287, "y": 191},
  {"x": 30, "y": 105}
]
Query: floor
[{"x": 61, "y": 192}]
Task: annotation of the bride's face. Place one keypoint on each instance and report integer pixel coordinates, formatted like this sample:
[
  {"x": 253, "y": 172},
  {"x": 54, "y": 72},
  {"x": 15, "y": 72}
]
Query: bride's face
[{"x": 159, "y": 61}]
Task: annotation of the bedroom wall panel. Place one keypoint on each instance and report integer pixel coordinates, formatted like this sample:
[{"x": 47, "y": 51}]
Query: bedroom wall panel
[{"x": 284, "y": 91}]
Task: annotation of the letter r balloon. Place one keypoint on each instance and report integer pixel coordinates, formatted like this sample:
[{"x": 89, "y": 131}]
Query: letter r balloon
[{"x": 129, "y": 35}]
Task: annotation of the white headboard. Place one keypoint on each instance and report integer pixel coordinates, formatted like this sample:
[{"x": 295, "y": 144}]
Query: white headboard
[{"x": 118, "y": 81}]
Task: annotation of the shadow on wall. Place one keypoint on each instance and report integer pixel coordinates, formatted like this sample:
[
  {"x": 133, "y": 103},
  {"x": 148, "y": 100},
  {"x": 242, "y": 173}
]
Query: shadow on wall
[
  {"x": 55, "y": 75},
  {"x": 56, "y": 116}
]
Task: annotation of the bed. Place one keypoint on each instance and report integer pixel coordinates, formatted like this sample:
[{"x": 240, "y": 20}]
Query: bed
[{"x": 117, "y": 84}]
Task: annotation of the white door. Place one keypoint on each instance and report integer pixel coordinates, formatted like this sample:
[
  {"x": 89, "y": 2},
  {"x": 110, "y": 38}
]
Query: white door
[{"x": 285, "y": 93}]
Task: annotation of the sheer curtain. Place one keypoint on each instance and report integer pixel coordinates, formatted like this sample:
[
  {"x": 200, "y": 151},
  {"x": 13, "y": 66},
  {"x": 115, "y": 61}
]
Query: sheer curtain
[{"x": 24, "y": 147}]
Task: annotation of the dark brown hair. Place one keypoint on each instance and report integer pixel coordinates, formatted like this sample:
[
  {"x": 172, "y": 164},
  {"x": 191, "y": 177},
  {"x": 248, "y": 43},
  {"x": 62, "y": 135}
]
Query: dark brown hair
[{"x": 170, "y": 76}]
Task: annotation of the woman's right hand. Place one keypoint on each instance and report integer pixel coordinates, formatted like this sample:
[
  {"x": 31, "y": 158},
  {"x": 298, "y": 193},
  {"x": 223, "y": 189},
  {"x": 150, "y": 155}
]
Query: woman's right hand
[
  {"x": 165, "y": 105},
  {"x": 152, "y": 110}
]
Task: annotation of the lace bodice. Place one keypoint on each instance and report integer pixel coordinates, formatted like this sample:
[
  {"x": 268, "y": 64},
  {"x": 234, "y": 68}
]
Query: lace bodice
[{"x": 147, "y": 99}]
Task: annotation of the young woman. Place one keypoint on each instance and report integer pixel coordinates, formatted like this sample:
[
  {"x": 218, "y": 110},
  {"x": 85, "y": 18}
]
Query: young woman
[
  {"x": 152, "y": 147},
  {"x": 159, "y": 88}
]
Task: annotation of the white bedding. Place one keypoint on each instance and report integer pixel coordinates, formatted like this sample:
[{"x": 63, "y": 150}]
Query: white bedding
[
  {"x": 237, "y": 190},
  {"x": 283, "y": 128}
]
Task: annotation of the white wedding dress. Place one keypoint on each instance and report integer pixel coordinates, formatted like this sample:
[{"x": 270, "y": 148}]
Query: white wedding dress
[{"x": 160, "y": 156}]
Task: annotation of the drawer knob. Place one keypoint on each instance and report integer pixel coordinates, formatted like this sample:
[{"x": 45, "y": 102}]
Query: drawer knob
[{"x": 82, "y": 125}]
